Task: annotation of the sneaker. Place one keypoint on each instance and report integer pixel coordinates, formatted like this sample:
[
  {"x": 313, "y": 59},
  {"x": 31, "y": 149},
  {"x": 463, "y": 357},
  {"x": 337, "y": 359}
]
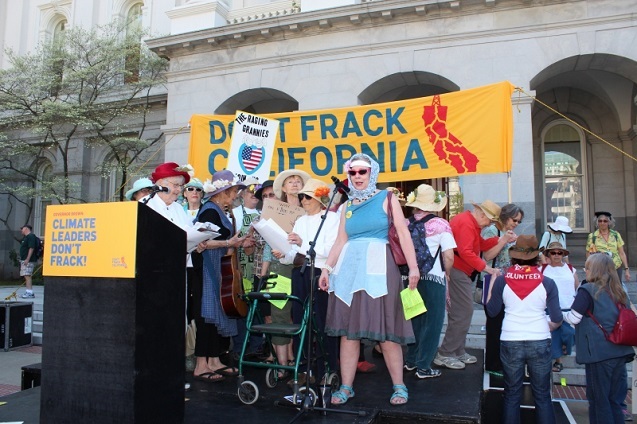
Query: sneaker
[
  {"x": 468, "y": 359},
  {"x": 27, "y": 295},
  {"x": 408, "y": 367},
  {"x": 430, "y": 373},
  {"x": 627, "y": 415},
  {"x": 449, "y": 362}
]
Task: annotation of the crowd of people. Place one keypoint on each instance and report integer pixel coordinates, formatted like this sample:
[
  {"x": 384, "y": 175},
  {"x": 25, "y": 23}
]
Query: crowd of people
[{"x": 537, "y": 310}]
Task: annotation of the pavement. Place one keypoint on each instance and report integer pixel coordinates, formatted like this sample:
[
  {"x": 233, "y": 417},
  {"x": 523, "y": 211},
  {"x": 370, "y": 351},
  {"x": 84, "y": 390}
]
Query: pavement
[{"x": 13, "y": 360}]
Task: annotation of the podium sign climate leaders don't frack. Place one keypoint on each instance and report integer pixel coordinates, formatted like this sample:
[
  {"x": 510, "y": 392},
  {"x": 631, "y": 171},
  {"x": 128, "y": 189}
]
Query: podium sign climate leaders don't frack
[{"x": 90, "y": 240}]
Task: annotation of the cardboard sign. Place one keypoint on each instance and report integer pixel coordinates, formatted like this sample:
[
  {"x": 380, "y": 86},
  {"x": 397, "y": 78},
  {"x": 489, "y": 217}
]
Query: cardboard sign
[{"x": 282, "y": 213}]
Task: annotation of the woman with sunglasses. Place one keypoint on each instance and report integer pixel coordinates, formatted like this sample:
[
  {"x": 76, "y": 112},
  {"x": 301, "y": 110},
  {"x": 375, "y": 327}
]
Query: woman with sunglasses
[
  {"x": 606, "y": 240},
  {"x": 193, "y": 194},
  {"x": 364, "y": 282},
  {"x": 511, "y": 216},
  {"x": 314, "y": 198},
  {"x": 605, "y": 361},
  {"x": 565, "y": 277}
]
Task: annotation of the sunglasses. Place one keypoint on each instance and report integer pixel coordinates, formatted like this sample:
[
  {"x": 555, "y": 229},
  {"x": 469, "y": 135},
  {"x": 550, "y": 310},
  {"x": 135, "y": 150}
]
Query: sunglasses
[
  {"x": 353, "y": 172},
  {"x": 197, "y": 189},
  {"x": 269, "y": 195},
  {"x": 304, "y": 196},
  {"x": 602, "y": 220},
  {"x": 556, "y": 253}
]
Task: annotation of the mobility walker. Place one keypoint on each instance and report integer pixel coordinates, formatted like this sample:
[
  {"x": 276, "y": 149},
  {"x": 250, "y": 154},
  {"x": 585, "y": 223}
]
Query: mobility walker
[{"x": 248, "y": 391}]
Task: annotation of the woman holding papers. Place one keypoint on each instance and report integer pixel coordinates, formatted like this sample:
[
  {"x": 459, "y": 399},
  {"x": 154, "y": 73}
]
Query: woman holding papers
[
  {"x": 364, "y": 282},
  {"x": 214, "y": 328},
  {"x": 314, "y": 198}
]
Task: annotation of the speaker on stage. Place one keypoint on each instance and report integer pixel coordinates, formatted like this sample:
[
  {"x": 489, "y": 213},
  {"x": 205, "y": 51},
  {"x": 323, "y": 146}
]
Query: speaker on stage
[{"x": 113, "y": 346}]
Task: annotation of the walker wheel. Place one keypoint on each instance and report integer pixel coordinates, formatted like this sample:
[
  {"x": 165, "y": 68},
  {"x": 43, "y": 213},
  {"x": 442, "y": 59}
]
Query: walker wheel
[
  {"x": 248, "y": 392},
  {"x": 334, "y": 382},
  {"x": 271, "y": 379},
  {"x": 298, "y": 398}
]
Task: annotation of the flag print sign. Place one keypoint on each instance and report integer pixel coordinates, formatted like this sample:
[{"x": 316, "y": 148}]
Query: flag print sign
[{"x": 252, "y": 145}]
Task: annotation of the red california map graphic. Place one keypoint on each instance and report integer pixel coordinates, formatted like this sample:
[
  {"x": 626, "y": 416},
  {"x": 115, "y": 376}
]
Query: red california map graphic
[{"x": 448, "y": 147}]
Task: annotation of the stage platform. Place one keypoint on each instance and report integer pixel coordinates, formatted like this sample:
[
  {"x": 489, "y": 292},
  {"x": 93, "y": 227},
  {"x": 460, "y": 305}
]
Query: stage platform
[{"x": 457, "y": 397}]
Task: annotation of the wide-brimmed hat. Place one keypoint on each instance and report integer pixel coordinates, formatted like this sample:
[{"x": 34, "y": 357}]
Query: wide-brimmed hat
[
  {"x": 425, "y": 198},
  {"x": 561, "y": 224},
  {"x": 280, "y": 179},
  {"x": 221, "y": 181},
  {"x": 490, "y": 209},
  {"x": 138, "y": 185},
  {"x": 317, "y": 190},
  {"x": 259, "y": 192},
  {"x": 525, "y": 247},
  {"x": 597, "y": 214},
  {"x": 169, "y": 169},
  {"x": 556, "y": 245},
  {"x": 399, "y": 195},
  {"x": 251, "y": 184},
  {"x": 194, "y": 182}
]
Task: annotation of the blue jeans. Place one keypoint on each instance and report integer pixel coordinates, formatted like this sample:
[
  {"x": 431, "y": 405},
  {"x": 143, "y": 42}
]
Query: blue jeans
[
  {"x": 536, "y": 354},
  {"x": 427, "y": 326},
  {"x": 606, "y": 390},
  {"x": 564, "y": 335}
]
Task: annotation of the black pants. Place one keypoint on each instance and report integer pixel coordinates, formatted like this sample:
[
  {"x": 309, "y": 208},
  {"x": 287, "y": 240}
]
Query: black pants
[
  {"x": 209, "y": 342},
  {"x": 492, "y": 360}
]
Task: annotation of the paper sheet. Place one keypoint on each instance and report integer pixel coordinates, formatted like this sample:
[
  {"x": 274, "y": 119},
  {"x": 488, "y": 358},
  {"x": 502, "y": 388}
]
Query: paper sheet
[
  {"x": 413, "y": 305},
  {"x": 273, "y": 234},
  {"x": 200, "y": 231}
]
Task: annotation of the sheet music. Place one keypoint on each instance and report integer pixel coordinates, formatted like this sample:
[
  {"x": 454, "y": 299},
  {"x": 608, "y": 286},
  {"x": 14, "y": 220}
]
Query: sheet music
[
  {"x": 201, "y": 231},
  {"x": 273, "y": 234}
]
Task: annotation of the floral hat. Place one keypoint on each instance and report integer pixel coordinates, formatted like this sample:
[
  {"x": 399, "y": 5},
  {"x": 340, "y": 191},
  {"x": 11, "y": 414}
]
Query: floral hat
[
  {"x": 171, "y": 169},
  {"x": 425, "y": 198},
  {"x": 317, "y": 190},
  {"x": 221, "y": 181}
]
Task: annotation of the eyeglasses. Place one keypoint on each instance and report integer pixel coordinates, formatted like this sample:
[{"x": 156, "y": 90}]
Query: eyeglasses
[
  {"x": 181, "y": 186},
  {"x": 269, "y": 195},
  {"x": 197, "y": 189},
  {"x": 353, "y": 172},
  {"x": 602, "y": 220},
  {"x": 556, "y": 253},
  {"x": 304, "y": 196}
]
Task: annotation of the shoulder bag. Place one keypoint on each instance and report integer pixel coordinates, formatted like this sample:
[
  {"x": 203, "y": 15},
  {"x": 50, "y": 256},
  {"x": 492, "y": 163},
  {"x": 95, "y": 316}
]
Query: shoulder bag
[
  {"x": 394, "y": 241},
  {"x": 625, "y": 330}
]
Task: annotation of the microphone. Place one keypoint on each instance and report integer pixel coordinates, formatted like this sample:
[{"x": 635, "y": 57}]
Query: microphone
[
  {"x": 340, "y": 185},
  {"x": 159, "y": 189}
]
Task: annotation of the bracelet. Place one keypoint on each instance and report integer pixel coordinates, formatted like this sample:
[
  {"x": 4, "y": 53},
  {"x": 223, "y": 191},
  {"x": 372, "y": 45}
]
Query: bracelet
[
  {"x": 227, "y": 243},
  {"x": 626, "y": 268},
  {"x": 328, "y": 268}
]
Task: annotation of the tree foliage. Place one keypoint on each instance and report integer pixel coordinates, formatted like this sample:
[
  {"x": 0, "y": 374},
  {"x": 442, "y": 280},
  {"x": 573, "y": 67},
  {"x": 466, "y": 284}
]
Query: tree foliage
[{"x": 87, "y": 86}]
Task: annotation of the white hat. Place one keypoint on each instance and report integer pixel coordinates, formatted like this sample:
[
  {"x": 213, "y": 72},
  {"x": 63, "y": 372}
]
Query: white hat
[
  {"x": 561, "y": 224},
  {"x": 425, "y": 198},
  {"x": 280, "y": 179}
]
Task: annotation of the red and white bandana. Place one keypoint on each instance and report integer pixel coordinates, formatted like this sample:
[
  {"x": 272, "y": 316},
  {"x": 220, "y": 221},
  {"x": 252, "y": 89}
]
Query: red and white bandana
[{"x": 523, "y": 279}]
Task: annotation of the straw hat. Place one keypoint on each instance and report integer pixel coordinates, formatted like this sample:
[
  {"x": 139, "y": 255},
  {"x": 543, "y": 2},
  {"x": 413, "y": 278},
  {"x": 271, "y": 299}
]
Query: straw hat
[
  {"x": 280, "y": 179},
  {"x": 138, "y": 185},
  {"x": 556, "y": 245},
  {"x": 490, "y": 209},
  {"x": 425, "y": 198},
  {"x": 169, "y": 169},
  {"x": 221, "y": 181},
  {"x": 561, "y": 224},
  {"x": 525, "y": 247},
  {"x": 317, "y": 190}
]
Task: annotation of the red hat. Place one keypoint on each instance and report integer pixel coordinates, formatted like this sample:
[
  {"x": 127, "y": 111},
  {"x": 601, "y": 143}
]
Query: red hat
[{"x": 169, "y": 169}]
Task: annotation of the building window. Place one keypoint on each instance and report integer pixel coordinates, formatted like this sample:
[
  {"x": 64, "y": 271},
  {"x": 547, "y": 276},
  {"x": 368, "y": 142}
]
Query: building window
[
  {"x": 564, "y": 175},
  {"x": 133, "y": 24}
]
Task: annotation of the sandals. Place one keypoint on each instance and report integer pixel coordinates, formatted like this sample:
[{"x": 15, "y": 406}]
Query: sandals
[
  {"x": 340, "y": 397},
  {"x": 400, "y": 395},
  {"x": 558, "y": 367}
]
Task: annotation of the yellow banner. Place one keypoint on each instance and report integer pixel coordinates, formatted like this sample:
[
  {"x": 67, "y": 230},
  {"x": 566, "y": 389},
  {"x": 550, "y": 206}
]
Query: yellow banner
[
  {"x": 91, "y": 240},
  {"x": 459, "y": 133}
]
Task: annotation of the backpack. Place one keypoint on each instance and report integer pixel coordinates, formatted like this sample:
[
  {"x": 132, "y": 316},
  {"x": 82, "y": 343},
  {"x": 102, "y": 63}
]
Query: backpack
[
  {"x": 39, "y": 249},
  {"x": 423, "y": 255}
]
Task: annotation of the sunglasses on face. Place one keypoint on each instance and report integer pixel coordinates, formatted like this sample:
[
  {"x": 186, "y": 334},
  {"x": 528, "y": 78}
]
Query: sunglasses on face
[
  {"x": 304, "y": 196},
  {"x": 556, "y": 253},
  {"x": 269, "y": 195},
  {"x": 353, "y": 172},
  {"x": 602, "y": 220},
  {"x": 197, "y": 189}
]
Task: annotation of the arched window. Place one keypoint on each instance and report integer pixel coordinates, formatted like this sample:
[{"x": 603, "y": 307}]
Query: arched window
[
  {"x": 58, "y": 65},
  {"x": 564, "y": 168},
  {"x": 133, "y": 25}
]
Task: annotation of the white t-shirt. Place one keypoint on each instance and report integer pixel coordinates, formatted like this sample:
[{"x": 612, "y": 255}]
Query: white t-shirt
[{"x": 564, "y": 279}]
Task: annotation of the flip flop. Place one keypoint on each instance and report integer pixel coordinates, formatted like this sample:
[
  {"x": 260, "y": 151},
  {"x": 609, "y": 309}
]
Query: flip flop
[
  {"x": 209, "y": 377},
  {"x": 228, "y": 371}
]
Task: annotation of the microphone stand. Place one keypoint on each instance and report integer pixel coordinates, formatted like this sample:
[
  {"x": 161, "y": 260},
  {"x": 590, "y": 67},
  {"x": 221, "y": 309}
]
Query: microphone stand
[{"x": 307, "y": 404}]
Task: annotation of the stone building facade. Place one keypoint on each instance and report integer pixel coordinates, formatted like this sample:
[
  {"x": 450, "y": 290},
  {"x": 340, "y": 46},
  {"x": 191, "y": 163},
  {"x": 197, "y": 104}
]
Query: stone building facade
[{"x": 574, "y": 61}]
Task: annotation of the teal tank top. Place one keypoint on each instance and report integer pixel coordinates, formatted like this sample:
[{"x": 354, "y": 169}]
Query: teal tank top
[{"x": 367, "y": 219}]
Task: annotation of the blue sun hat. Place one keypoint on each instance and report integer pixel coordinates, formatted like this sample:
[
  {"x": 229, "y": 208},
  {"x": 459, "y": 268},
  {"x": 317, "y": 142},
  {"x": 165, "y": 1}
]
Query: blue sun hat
[
  {"x": 194, "y": 182},
  {"x": 138, "y": 185}
]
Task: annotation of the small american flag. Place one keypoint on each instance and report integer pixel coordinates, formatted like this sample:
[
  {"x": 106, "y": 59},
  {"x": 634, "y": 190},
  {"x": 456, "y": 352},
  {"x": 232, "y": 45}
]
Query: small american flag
[{"x": 251, "y": 157}]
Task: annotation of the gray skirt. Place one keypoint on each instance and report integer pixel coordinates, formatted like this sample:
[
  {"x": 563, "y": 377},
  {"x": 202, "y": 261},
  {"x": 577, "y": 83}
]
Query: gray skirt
[{"x": 379, "y": 319}]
